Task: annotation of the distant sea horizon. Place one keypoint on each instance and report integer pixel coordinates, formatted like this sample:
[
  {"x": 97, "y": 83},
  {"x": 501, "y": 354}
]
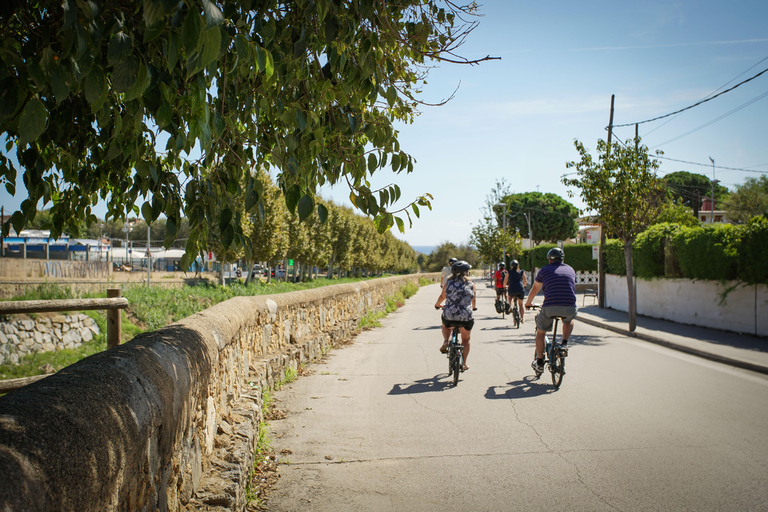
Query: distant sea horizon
[{"x": 424, "y": 249}]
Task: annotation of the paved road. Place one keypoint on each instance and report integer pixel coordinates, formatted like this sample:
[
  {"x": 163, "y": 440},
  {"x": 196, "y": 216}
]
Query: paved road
[{"x": 635, "y": 426}]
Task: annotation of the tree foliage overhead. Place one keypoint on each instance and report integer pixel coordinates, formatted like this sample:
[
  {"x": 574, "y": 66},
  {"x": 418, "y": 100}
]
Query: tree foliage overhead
[
  {"x": 552, "y": 217},
  {"x": 174, "y": 103}
]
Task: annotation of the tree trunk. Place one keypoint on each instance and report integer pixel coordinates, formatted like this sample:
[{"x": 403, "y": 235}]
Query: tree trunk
[{"x": 631, "y": 293}]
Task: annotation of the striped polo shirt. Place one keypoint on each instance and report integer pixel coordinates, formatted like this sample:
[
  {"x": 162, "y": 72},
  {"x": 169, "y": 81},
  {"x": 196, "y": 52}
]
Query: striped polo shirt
[{"x": 558, "y": 281}]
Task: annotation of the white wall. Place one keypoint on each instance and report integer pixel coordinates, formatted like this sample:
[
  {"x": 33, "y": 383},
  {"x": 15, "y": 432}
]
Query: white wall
[{"x": 729, "y": 306}]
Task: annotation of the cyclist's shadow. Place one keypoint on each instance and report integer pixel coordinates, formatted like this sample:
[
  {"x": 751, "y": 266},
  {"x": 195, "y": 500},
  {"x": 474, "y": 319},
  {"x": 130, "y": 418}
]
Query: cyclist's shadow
[
  {"x": 422, "y": 386},
  {"x": 527, "y": 387}
]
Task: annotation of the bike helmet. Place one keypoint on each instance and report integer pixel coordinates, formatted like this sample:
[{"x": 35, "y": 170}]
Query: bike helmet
[
  {"x": 501, "y": 266},
  {"x": 514, "y": 264},
  {"x": 460, "y": 267},
  {"x": 452, "y": 261},
  {"x": 556, "y": 254}
]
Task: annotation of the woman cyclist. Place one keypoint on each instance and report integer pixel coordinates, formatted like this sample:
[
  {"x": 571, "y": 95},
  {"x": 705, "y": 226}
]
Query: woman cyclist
[
  {"x": 516, "y": 283},
  {"x": 459, "y": 296}
]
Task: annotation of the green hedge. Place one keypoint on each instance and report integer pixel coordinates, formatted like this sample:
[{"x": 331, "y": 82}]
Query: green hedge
[
  {"x": 708, "y": 252},
  {"x": 648, "y": 250},
  {"x": 578, "y": 256},
  {"x": 614, "y": 257},
  {"x": 713, "y": 252},
  {"x": 752, "y": 263}
]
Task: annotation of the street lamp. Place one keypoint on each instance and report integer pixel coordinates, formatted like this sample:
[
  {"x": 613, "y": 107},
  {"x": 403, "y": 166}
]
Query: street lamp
[
  {"x": 101, "y": 237},
  {"x": 504, "y": 230},
  {"x": 127, "y": 228},
  {"x": 712, "y": 203}
]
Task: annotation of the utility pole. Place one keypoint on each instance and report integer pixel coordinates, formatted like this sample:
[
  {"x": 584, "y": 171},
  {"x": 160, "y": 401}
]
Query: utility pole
[
  {"x": 601, "y": 254},
  {"x": 712, "y": 203}
]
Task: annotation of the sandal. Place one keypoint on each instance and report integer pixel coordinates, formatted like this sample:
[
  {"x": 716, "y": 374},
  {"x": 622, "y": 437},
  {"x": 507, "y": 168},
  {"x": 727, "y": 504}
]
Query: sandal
[
  {"x": 464, "y": 368},
  {"x": 444, "y": 348}
]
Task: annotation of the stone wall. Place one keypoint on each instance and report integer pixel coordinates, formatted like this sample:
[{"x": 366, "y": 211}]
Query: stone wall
[
  {"x": 44, "y": 333},
  {"x": 169, "y": 421}
]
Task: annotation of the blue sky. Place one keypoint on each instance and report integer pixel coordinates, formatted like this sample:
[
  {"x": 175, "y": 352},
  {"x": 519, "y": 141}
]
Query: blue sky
[
  {"x": 516, "y": 118},
  {"x": 560, "y": 62}
]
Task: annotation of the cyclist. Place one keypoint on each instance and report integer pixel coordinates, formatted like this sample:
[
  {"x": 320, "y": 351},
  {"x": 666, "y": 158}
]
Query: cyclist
[
  {"x": 447, "y": 271},
  {"x": 559, "y": 283},
  {"x": 500, "y": 283},
  {"x": 460, "y": 300},
  {"x": 516, "y": 283}
]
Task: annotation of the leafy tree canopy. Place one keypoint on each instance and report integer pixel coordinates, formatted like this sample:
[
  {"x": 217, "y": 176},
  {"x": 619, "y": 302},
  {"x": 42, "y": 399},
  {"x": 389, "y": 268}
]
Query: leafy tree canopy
[
  {"x": 750, "y": 199},
  {"x": 689, "y": 188},
  {"x": 174, "y": 102},
  {"x": 677, "y": 214},
  {"x": 552, "y": 217}
]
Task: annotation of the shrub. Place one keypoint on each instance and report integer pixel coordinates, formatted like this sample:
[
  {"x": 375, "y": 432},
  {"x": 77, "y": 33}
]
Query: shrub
[
  {"x": 752, "y": 262},
  {"x": 708, "y": 252},
  {"x": 579, "y": 256},
  {"x": 648, "y": 249},
  {"x": 614, "y": 257}
]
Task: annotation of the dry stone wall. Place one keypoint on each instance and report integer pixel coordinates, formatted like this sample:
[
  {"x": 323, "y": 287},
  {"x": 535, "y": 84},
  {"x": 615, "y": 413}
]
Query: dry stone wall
[
  {"x": 22, "y": 336},
  {"x": 170, "y": 420}
]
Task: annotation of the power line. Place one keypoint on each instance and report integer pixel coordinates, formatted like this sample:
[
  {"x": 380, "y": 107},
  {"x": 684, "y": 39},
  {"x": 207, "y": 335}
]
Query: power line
[
  {"x": 695, "y": 104},
  {"x": 710, "y": 165},
  {"x": 716, "y": 119},
  {"x": 713, "y": 92}
]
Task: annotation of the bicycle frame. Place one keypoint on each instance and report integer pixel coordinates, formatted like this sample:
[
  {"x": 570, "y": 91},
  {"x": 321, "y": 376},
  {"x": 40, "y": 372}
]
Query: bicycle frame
[
  {"x": 554, "y": 358},
  {"x": 455, "y": 355}
]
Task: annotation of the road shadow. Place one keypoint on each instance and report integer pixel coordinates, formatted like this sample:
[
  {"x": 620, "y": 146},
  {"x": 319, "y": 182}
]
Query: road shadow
[
  {"x": 422, "y": 386},
  {"x": 427, "y": 328},
  {"x": 527, "y": 387}
]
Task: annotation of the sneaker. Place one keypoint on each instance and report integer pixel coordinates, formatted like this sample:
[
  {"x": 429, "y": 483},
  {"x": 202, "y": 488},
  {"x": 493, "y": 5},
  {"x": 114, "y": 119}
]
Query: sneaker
[
  {"x": 538, "y": 368},
  {"x": 564, "y": 348},
  {"x": 444, "y": 348}
]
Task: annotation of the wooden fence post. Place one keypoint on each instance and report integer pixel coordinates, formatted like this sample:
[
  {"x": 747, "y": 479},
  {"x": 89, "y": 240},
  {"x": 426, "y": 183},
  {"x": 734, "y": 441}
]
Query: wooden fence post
[{"x": 113, "y": 320}]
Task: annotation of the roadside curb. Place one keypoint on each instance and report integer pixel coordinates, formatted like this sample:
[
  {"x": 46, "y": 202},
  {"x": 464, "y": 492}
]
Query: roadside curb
[{"x": 677, "y": 346}]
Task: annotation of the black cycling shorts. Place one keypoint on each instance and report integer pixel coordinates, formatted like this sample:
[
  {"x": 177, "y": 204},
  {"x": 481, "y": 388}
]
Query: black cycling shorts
[
  {"x": 455, "y": 323},
  {"x": 519, "y": 296}
]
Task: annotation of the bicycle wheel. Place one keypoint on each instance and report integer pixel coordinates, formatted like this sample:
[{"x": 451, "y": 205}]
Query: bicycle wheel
[
  {"x": 456, "y": 367},
  {"x": 516, "y": 315},
  {"x": 557, "y": 367}
]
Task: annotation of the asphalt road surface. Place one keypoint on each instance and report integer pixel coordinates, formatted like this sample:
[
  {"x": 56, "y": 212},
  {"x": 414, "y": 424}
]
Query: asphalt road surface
[{"x": 634, "y": 426}]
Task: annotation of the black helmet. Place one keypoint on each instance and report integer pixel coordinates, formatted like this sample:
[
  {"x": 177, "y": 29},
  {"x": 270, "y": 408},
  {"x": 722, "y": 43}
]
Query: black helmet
[
  {"x": 556, "y": 254},
  {"x": 460, "y": 267},
  {"x": 501, "y": 266},
  {"x": 452, "y": 261},
  {"x": 514, "y": 264}
]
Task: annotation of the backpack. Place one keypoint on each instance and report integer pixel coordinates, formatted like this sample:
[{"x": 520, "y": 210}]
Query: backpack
[{"x": 502, "y": 277}]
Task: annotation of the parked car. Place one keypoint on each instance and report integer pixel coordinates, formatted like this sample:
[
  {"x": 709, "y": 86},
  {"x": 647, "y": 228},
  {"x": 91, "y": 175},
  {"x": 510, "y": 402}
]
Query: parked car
[
  {"x": 280, "y": 272},
  {"x": 257, "y": 271}
]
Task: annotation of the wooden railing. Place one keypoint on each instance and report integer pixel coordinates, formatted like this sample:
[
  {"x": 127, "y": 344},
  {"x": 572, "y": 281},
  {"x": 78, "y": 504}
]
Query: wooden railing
[{"x": 113, "y": 304}]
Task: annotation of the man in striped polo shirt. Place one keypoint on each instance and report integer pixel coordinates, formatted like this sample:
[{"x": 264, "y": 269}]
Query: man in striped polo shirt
[{"x": 559, "y": 283}]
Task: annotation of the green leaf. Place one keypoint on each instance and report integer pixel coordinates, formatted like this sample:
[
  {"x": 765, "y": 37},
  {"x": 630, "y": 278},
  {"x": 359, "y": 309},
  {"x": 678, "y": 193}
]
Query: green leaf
[
  {"x": 191, "y": 30},
  {"x": 322, "y": 213},
  {"x": 228, "y": 236},
  {"x": 96, "y": 87},
  {"x": 211, "y": 42},
  {"x": 218, "y": 125},
  {"x": 225, "y": 217},
  {"x": 213, "y": 15},
  {"x": 372, "y": 163},
  {"x": 395, "y": 162},
  {"x": 306, "y": 205},
  {"x": 32, "y": 122},
  {"x": 146, "y": 212},
  {"x": 400, "y": 224},
  {"x": 119, "y": 48},
  {"x": 164, "y": 115},
  {"x": 142, "y": 82},
  {"x": 292, "y": 196},
  {"x": 124, "y": 75},
  {"x": 61, "y": 81},
  {"x": 415, "y": 209}
]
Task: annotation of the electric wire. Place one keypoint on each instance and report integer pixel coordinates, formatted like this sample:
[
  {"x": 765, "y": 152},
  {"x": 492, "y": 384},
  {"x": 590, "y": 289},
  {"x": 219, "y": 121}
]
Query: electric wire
[
  {"x": 713, "y": 92},
  {"x": 695, "y": 104}
]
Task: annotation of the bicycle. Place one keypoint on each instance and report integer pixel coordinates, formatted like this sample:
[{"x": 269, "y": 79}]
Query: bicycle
[
  {"x": 502, "y": 304},
  {"x": 455, "y": 353},
  {"x": 554, "y": 353},
  {"x": 516, "y": 313}
]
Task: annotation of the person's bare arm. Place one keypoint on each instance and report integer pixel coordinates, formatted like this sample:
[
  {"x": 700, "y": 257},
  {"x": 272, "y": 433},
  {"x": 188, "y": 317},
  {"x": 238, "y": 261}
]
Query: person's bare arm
[{"x": 532, "y": 294}]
